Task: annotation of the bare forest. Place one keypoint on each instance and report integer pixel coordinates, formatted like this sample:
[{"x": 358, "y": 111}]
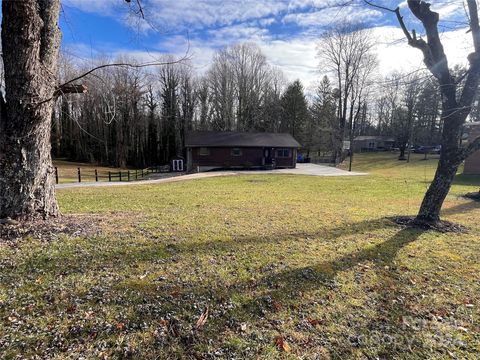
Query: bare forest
[{"x": 138, "y": 116}]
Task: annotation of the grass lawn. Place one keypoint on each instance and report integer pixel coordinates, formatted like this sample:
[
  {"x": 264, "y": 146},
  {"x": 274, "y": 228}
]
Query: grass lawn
[{"x": 288, "y": 267}]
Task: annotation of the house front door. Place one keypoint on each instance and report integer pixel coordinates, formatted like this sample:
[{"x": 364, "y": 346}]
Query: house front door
[{"x": 268, "y": 156}]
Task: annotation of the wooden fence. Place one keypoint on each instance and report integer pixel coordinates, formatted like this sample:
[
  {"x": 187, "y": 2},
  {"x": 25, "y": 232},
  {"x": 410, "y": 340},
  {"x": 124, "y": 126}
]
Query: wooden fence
[{"x": 121, "y": 175}]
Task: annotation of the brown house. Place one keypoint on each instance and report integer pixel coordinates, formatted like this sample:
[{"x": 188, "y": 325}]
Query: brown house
[
  {"x": 373, "y": 143},
  {"x": 207, "y": 150},
  {"x": 472, "y": 163}
]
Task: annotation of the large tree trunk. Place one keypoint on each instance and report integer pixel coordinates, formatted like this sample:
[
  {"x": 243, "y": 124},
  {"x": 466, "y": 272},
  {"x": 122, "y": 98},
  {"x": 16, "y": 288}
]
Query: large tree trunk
[
  {"x": 402, "y": 152},
  {"x": 30, "y": 43},
  {"x": 450, "y": 159},
  {"x": 438, "y": 191}
]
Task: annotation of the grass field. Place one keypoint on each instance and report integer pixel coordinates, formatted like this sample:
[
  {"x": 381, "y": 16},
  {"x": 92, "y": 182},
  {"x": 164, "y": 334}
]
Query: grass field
[{"x": 288, "y": 267}]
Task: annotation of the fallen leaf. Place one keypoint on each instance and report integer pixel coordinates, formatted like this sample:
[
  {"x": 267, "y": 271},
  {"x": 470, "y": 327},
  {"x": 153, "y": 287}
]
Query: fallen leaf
[
  {"x": 277, "y": 306},
  {"x": 202, "y": 319},
  {"x": 314, "y": 322},
  {"x": 243, "y": 327},
  {"x": 282, "y": 344},
  {"x": 89, "y": 315}
]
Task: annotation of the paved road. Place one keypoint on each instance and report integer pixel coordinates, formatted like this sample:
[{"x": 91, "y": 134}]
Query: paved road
[{"x": 301, "y": 169}]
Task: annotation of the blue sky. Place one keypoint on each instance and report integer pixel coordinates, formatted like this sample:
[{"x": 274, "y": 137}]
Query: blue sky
[{"x": 286, "y": 31}]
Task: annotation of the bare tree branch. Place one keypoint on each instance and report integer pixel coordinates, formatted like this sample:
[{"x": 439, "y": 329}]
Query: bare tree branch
[
  {"x": 474, "y": 25},
  {"x": 471, "y": 83},
  {"x": 121, "y": 64},
  {"x": 71, "y": 89},
  {"x": 140, "y": 8},
  {"x": 411, "y": 38}
]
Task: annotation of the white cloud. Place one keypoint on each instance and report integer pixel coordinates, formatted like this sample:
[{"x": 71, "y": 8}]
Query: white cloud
[
  {"x": 297, "y": 57},
  {"x": 236, "y": 33},
  {"x": 333, "y": 15},
  {"x": 218, "y": 23},
  {"x": 196, "y": 14}
]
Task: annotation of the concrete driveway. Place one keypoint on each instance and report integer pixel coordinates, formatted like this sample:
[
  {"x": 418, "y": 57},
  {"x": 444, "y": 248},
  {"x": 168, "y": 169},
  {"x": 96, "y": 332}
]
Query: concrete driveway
[
  {"x": 301, "y": 169},
  {"x": 315, "y": 170}
]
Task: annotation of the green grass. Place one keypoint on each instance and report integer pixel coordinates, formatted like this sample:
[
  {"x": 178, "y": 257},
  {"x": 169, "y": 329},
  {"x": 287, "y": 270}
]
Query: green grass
[{"x": 309, "y": 259}]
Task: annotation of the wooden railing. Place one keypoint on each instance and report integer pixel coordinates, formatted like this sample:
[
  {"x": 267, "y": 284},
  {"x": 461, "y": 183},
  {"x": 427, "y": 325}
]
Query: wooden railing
[{"x": 121, "y": 175}]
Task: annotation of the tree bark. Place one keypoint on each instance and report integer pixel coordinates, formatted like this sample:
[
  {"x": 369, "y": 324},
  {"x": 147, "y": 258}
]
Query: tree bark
[
  {"x": 437, "y": 191},
  {"x": 30, "y": 44}
]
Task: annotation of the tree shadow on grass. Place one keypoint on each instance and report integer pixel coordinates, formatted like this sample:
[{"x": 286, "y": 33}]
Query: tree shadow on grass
[
  {"x": 461, "y": 208},
  {"x": 120, "y": 255},
  {"x": 153, "y": 302},
  {"x": 285, "y": 288}
]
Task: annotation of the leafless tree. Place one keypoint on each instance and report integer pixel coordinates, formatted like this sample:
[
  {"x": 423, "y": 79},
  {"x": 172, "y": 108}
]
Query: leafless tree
[
  {"x": 345, "y": 52},
  {"x": 222, "y": 89},
  {"x": 458, "y": 94}
]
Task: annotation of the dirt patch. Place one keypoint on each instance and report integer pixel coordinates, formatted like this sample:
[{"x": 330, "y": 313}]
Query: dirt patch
[
  {"x": 440, "y": 226},
  {"x": 45, "y": 230}
]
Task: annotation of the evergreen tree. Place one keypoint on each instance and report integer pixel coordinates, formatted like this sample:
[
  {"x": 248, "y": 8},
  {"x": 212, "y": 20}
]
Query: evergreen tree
[{"x": 295, "y": 113}]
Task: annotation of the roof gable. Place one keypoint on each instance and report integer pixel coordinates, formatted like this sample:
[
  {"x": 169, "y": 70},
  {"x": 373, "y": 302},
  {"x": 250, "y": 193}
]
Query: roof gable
[{"x": 239, "y": 139}]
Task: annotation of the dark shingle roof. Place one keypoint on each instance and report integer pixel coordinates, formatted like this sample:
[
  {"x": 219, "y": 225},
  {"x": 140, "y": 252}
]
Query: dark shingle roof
[
  {"x": 240, "y": 139},
  {"x": 380, "y": 138}
]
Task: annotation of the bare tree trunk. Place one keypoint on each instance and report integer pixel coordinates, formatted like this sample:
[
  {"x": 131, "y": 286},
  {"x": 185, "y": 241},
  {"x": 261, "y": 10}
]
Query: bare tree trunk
[
  {"x": 30, "y": 43},
  {"x": 438, "y": 191},
  {"x": 450, "y": 160}
]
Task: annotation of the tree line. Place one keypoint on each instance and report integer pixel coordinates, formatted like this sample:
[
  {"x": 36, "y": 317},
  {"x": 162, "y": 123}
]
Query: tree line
[{"x": 139, "y": 116}]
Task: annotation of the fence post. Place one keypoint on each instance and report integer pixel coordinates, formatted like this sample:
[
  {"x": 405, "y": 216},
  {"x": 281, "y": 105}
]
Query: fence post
[
  {"x": 128, "y": 175},
  {"x": 109, "y": 176},
  {"x": 96, "y": 175},
  {"x": 120, "y": 175},
  {"x": 142, "y": 173},
  {"x": 56, "y": 175},
  {"x": 136, "y": 174},
  {"x": 79, "y": 175}
]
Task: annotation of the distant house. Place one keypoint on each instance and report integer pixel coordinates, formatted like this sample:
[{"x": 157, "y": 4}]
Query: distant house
[
  {"x": 373, "y": 143},
  {"x": 207, "y": 150},
  {"x": 472, "y": 163}
]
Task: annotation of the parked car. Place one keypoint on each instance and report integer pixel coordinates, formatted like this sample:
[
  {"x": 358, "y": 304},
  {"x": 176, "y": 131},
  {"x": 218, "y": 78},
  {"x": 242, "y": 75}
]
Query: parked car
[{"x": 428, "y": 149}]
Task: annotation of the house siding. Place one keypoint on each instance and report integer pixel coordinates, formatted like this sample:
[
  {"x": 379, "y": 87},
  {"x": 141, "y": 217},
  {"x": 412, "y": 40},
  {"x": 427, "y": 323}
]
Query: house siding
[
  {"x": 221, "y": 157},
  {"x": 364, "y": 145}
]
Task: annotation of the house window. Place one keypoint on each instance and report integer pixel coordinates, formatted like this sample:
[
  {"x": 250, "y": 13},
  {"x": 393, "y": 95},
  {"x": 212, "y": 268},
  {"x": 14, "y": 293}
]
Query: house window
[
  {"x": 371, "y": 145},
  {"x": 283, "y": 153},
  {"x": 203, "y": 151},
  {"x": 236, "y": 152}
]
